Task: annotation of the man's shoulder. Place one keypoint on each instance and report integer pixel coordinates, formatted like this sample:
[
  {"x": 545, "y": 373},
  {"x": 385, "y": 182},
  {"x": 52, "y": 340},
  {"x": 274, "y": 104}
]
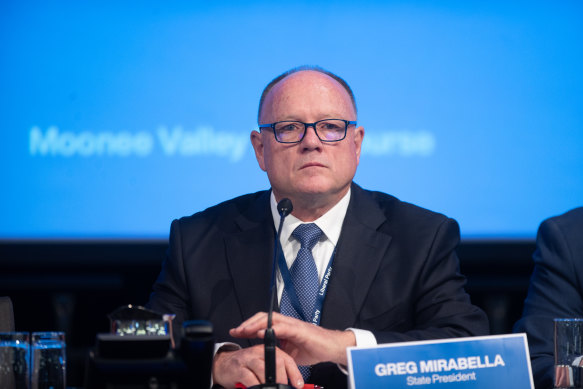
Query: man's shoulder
[
  {"x": 566, "y": 228},
  {"x": 397, "y": 210},
  {"x": 252, "y": 206},
  {"x": 570, "y": 220},
  {"x": 403, "y": 221}
]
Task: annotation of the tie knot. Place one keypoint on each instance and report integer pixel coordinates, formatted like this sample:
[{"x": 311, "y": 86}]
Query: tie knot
[{"x": 307, "y": 234}]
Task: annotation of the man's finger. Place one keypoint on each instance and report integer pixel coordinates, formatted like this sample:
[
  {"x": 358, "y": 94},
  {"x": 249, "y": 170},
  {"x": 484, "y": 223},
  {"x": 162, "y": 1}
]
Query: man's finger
[
  {"x": 293, "y": 373},
  {"x": 280, "y": 371},
  {"x": 257, "y": 367},
  {"x": 253, "y": 324}
]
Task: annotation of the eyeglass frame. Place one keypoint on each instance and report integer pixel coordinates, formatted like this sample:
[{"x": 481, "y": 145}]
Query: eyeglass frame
[{"x": 306, "y": 125}]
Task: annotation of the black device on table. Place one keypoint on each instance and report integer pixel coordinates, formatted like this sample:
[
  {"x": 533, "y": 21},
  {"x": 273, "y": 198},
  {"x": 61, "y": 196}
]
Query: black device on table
[{"x": 149, "y": 361}]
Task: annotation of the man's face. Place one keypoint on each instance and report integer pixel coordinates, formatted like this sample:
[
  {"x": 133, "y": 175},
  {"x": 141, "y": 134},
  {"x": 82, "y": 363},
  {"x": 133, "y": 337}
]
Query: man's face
[{"x": 311, "y": 170}]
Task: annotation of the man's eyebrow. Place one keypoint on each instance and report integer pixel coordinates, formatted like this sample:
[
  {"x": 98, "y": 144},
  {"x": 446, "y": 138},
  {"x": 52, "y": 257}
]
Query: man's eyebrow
[{"x": 296, "y": 118}]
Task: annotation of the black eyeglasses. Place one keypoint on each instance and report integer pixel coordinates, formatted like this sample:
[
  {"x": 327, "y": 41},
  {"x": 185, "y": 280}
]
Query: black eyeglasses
[{"x": 327, "y": 130}]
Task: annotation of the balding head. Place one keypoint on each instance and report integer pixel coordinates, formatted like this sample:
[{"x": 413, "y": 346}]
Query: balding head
[{"x": 284, "y": 75}]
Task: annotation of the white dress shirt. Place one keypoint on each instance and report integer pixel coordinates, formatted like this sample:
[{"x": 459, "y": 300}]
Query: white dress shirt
[{"x": 331, "y": 225}]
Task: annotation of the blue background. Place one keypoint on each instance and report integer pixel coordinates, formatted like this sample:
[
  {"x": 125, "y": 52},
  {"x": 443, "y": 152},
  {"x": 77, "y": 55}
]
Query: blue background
[{"x": 497, "y": 85}]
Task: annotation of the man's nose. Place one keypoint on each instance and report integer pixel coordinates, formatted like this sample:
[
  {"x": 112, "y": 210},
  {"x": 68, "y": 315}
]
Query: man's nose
[{"x": 310, "y": 137}]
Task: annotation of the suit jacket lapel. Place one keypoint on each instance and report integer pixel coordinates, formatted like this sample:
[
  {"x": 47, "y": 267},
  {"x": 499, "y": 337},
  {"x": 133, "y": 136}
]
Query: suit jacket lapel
[
  {"x": 361, "y": 247},
  {"x": 360, "y": 250},
  {"x": 249, "y": 255}
]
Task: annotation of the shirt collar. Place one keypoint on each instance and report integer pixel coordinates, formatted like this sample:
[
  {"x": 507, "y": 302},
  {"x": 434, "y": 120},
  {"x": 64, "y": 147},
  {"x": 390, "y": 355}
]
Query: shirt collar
[{"x": 330, "y": 223}]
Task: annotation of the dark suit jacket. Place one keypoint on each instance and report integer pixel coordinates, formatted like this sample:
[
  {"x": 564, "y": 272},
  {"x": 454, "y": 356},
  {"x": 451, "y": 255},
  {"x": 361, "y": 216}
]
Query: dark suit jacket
[
  {"x": 556, "y": 289},
  {"x": 6, "y": 315},
  {"x": 395, "y": 272}
]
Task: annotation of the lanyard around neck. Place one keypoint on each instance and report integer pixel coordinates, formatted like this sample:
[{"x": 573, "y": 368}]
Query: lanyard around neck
[{"x": 291, "y": 290}]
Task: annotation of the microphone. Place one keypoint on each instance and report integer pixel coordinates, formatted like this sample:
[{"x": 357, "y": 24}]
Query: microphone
[{"x": 284, "y": 208}]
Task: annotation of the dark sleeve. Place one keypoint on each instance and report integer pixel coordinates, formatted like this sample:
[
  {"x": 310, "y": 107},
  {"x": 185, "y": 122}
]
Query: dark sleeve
[
  {"x": 170, "y": 291},
  {"x": 441, "y": 308},
  {"x": 553, "y": 293}
]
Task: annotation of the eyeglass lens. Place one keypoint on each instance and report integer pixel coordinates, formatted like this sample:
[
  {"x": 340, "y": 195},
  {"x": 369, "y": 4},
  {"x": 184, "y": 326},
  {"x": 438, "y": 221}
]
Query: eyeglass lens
[{"x": 327, "y": 130}]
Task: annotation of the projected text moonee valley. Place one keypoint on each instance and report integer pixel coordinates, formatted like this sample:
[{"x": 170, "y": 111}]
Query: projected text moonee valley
[{"x": 202, "y": 141}]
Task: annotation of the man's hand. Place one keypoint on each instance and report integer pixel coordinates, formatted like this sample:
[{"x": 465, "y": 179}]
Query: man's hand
[
  {"x": 247, "y": 366},
  {"x": 307, "y": 343}
]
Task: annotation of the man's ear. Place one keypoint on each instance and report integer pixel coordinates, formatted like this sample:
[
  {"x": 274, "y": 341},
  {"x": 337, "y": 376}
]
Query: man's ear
[
  {"x": 258, "y": 147},
  {"x": 358, "y": 138}
]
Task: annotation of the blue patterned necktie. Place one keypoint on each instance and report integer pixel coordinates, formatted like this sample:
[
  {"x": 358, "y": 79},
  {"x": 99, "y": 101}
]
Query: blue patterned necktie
[{"x": 304, "y": 275}]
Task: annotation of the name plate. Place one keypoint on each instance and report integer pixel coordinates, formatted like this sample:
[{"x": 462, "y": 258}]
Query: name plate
[{"x": 487, "y": 362}]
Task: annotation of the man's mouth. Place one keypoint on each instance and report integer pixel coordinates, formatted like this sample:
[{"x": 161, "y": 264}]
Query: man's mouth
[{"x": 312, "y": 164}]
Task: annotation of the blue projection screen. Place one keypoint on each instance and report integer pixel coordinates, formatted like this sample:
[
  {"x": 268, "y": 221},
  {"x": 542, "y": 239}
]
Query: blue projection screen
[{"x": 118, "y": 118}]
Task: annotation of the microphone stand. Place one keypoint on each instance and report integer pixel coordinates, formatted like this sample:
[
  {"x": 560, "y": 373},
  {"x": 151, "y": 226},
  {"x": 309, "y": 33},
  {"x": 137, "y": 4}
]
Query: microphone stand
[{"x": 284, "y": 207}]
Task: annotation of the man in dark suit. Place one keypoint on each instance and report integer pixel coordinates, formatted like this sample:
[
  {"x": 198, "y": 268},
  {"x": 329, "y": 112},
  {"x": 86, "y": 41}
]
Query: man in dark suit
[
  {"x": 556, "y": 289},
  {"x": 388, "y": 269}
]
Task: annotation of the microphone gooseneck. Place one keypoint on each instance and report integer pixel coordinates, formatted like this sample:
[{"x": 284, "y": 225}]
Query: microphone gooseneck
[{"x": 284, "y": 208}]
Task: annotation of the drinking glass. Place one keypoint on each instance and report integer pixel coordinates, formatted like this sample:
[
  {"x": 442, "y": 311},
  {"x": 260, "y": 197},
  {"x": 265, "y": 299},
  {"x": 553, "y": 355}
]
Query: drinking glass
[
  {"x": 568, "y": 353},
  {"x": 49, "y": 360},
  {"x": 14, "y": 360}
]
